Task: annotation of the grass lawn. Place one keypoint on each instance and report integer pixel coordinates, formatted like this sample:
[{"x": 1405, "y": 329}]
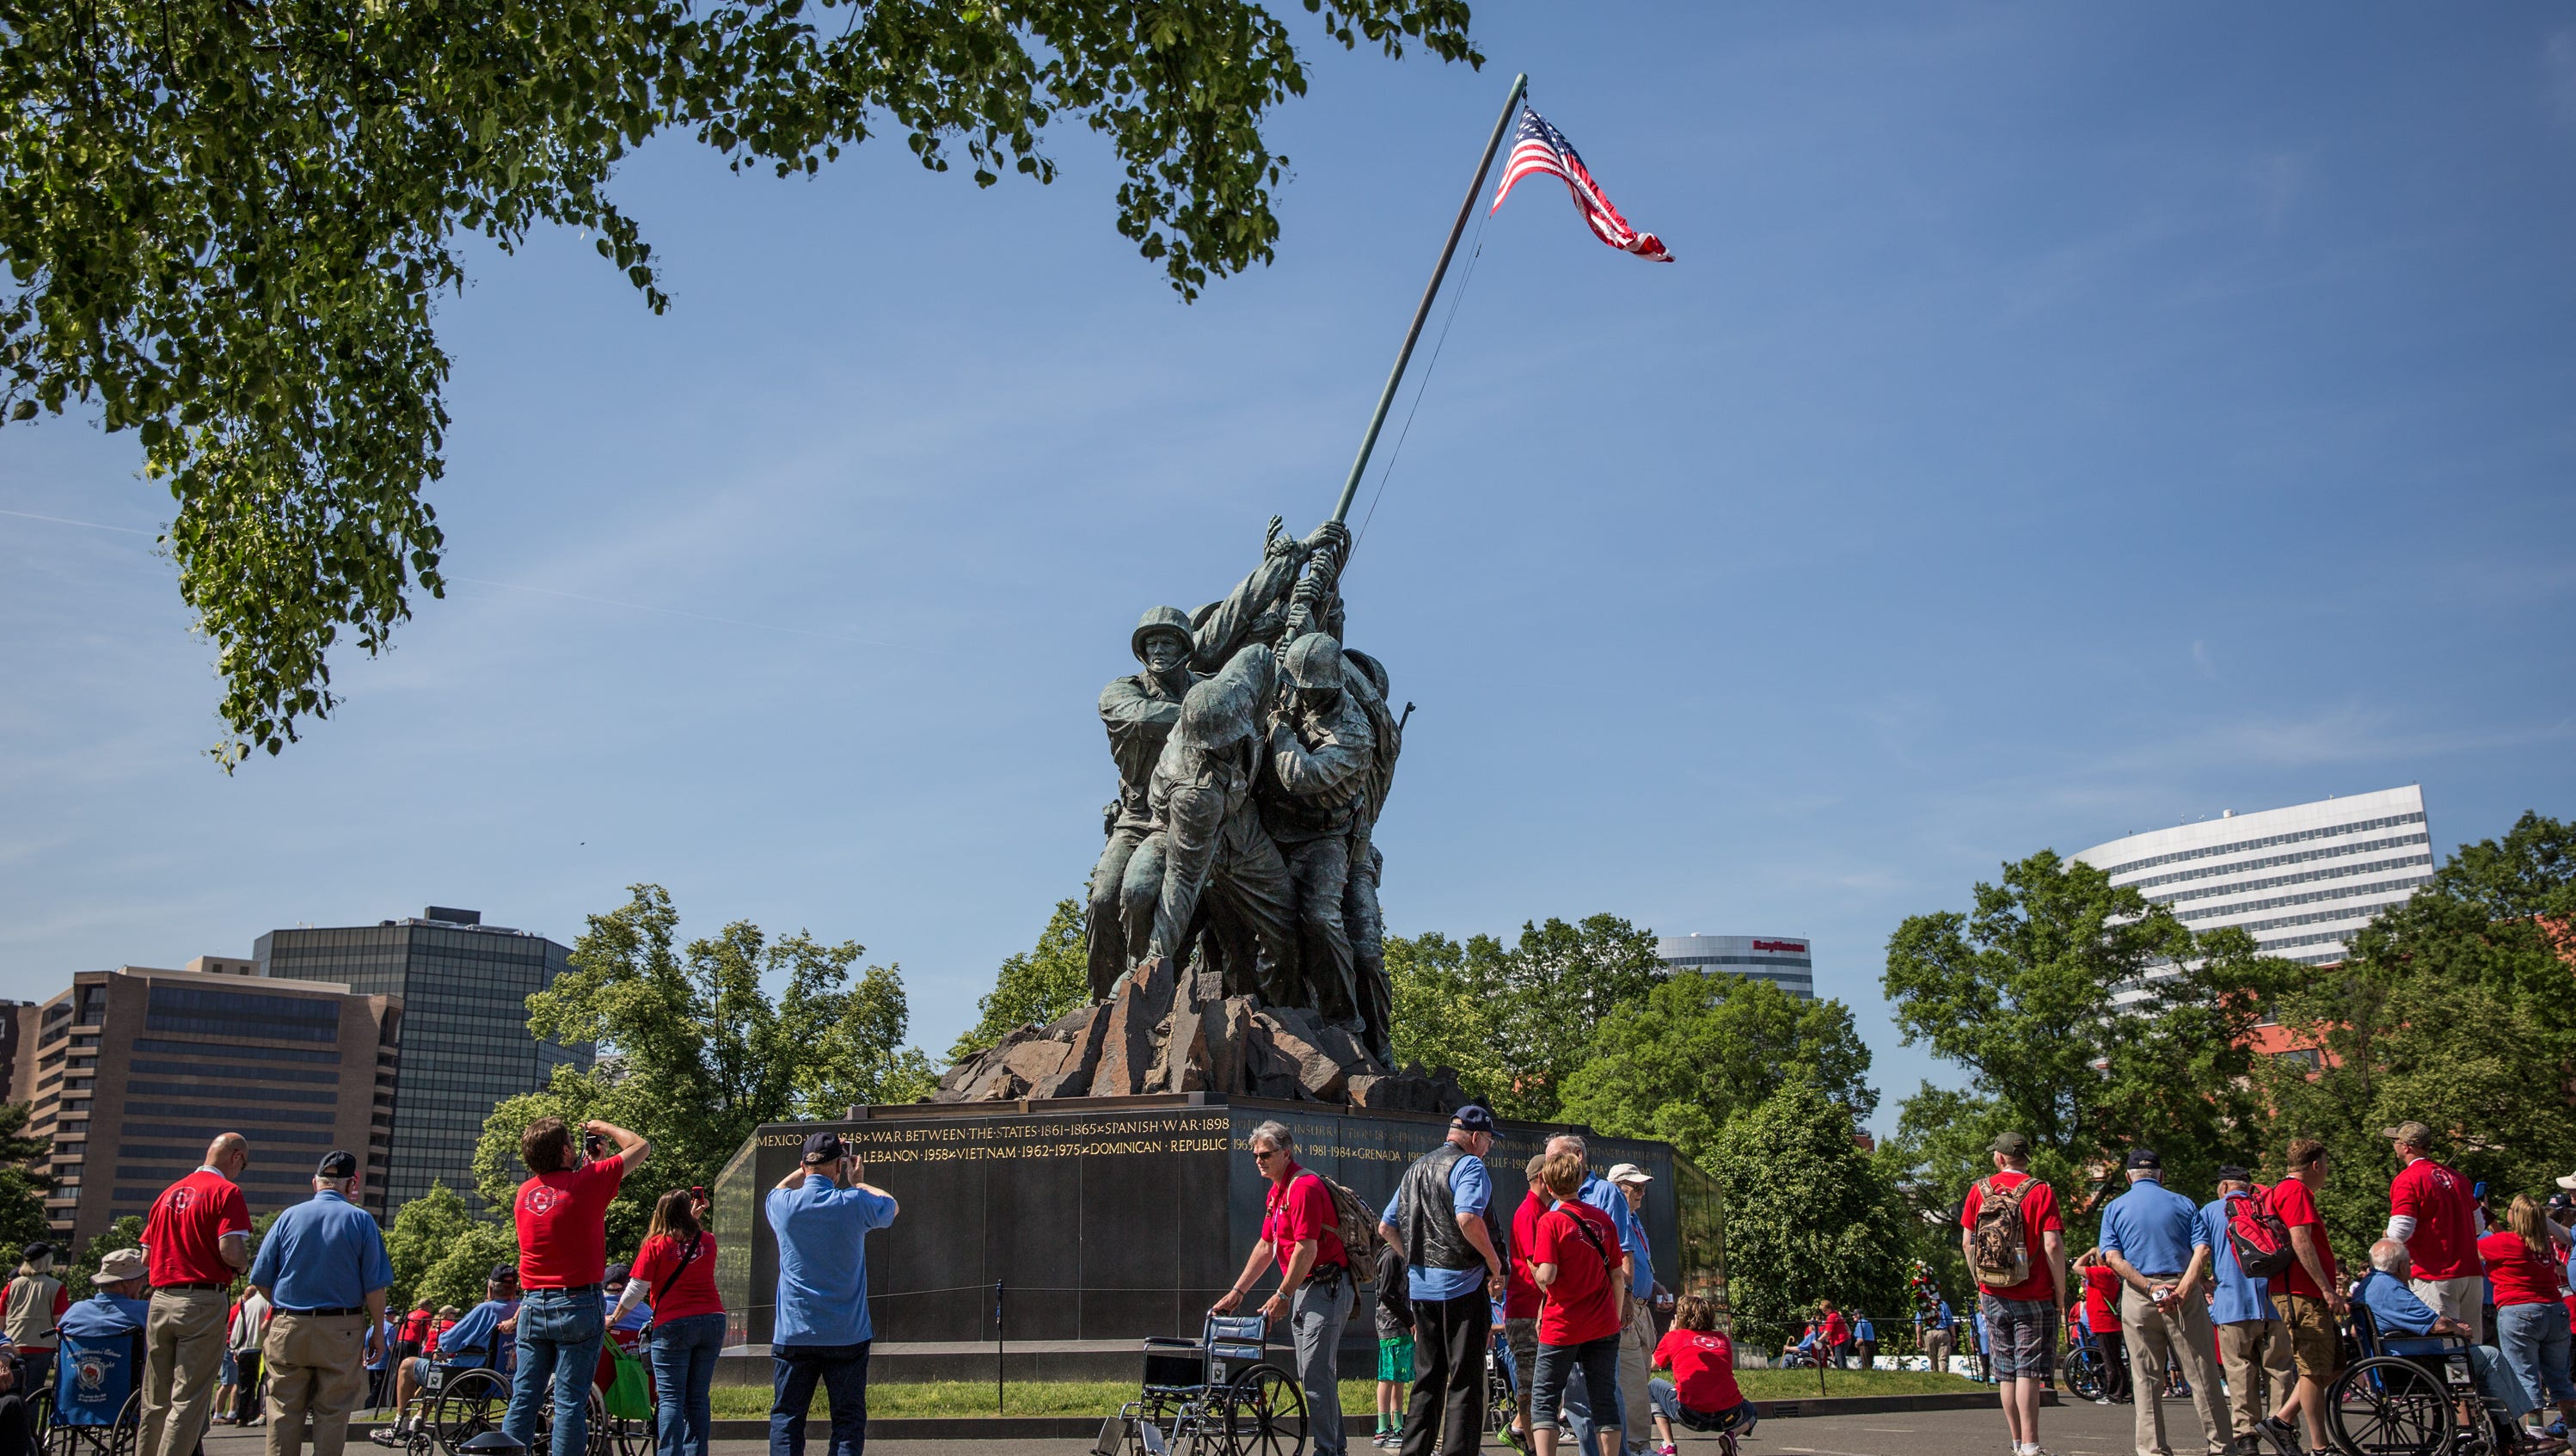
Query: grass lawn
[{"x": 1359, "y": 1397}]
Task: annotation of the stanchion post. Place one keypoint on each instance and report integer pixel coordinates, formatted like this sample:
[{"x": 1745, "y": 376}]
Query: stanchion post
[{"x": 997, "y": 1347}]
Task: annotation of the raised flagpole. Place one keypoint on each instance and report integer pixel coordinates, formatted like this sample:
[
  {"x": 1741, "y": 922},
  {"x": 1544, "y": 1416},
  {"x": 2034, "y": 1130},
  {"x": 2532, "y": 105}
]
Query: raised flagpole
[{"x": 1422, "y": 311}]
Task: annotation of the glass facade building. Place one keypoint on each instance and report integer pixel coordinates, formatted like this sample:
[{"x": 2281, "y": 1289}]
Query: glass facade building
[
  {"x": 1783, "y": 960},
  {"x": 464, "y": 987}
]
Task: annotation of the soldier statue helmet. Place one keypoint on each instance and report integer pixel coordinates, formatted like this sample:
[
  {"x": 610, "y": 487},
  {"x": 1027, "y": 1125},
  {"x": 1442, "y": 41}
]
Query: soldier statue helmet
[
  {"x": 1161, "y": 619},
  {"x": 1314, "y": 662}
]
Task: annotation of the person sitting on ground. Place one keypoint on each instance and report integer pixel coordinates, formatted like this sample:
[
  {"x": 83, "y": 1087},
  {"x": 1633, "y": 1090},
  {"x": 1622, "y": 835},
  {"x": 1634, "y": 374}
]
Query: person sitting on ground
[
  {"x": 1702, "y": 1394},
  {"x": 2394, "y": 1307},
  {"x": 482, "y": 1338}
]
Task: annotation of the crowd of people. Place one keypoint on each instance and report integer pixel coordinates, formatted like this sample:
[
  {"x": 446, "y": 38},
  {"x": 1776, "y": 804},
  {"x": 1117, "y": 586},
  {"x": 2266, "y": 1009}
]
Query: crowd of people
[
  {"x": 299, "y": 1337},
  {"x": 2240, "y": 1305},
  {"x": 1565, "y": 1284}
]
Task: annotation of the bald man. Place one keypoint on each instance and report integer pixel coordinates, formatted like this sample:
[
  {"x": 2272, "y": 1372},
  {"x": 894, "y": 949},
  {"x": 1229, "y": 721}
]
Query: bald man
[{"x": 195, "y": 1243}]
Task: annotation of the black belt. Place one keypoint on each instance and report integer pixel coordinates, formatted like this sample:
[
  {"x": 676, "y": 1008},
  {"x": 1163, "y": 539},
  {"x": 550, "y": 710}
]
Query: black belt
[
  {"x": 194, "y": 1284},
  {"x": 309, "y": 1313},
  {"x": 564, "y": 1289}
]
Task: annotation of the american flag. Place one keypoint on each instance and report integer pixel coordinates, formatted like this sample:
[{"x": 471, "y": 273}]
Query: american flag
[{"x": 1541, "y": 148}]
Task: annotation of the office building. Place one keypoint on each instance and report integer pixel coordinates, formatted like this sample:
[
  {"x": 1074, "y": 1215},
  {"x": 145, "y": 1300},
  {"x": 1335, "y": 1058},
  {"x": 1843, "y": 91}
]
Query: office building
[
  {"x": 1780, "y": 959},
  {"x": 2300, "y": 880},
  {"x": 133, "y": 1071},
  {"x": 464, "y": 988}
]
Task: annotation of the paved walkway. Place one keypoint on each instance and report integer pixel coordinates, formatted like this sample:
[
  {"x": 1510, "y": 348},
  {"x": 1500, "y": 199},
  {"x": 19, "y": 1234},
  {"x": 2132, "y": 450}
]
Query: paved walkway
[{"x": 2070, "y": 1430}]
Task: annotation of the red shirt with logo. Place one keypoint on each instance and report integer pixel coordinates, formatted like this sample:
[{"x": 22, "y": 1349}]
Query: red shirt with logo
[
  {"x": 693, "y": 1292},
  {"x": 1520, "y": 1291},
  {"x": 1703, "y": 1366},
  {"x": 1298, "y": 1210},
  {"x": 563, "y": 1225},
  {"x": 2444, "y": 1244},
  {"x": 2297, "y": 1207},
  {"x": 185, "y": 1234},
  {"x": 2519, "y": 1278},
  {"x": 1583, "y": 1304},
  {"x": 2038, "y": 1217}
]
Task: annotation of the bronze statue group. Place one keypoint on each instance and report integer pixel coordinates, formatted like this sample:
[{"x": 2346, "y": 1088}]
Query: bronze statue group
[{"x": 1254, "y": 751}]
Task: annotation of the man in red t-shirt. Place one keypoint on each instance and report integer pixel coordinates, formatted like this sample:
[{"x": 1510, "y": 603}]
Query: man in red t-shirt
[
  {"x": 2017, "y": 1287},
  {"x": 1520, "y": 1291},
  {"x": 562, "y": 1218},
  {"x": 2432, "y": 1211},
  {"x": 1301, "y": 1232},
  {"x": 195, "y": 1242},
  {"x": 2309, "y": 1295}
]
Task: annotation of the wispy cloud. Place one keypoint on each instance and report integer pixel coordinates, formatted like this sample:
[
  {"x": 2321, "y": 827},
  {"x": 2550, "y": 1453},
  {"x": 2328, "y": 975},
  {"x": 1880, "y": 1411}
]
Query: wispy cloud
[{"x": 2201, "y": 659}]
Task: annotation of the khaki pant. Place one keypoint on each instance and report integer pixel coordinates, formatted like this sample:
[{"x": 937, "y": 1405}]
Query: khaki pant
[
  {"x": 2259, "y": 1370},
  {"x": 1636, "y": 1354},
  {"x": 1937, "y": 1346},
  {"x": 2460, "y": 1299},
  {"x": 183, "y": 1352},
  {"x": 2181, "y": 1327},
  {"x": 316, "y": 1363}
]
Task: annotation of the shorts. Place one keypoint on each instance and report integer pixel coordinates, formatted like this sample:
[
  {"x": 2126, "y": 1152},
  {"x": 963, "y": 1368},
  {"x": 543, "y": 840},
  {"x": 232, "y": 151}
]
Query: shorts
[
  {"x": 1395, "y": 1358},
  {"x": 2316, "y": 1345},
  {"x": 2021, "y": 1337}
]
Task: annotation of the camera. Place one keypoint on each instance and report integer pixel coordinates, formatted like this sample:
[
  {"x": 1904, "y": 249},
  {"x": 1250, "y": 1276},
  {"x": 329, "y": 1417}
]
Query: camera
[{"x": 593, "y": 1145}]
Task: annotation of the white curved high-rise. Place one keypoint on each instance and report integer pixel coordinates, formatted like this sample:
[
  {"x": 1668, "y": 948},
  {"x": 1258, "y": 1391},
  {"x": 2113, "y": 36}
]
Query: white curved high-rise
[
  {"x": 2300, "y": 880},
  {"x": 1783, "y": 960}
]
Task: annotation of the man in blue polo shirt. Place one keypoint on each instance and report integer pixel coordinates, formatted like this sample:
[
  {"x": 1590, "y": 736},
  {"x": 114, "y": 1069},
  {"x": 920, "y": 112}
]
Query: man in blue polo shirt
[
  {"x": 822, "y": 1213},
  {"x": 2253, "y": 1343},
  {"x": 323, "y": 1266},
  {"x": 2155, "y": 1240}
]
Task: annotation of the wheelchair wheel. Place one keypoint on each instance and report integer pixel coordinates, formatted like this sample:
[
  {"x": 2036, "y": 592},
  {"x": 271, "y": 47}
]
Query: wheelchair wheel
[
  {"x": 471, "y": 1402},
  {"x": 2086, "y": 1371},
  {"x": 1263, "y": 1413},
  {"x": 2386, "y": 1406},
  {"x": 122, "y": 1437}
]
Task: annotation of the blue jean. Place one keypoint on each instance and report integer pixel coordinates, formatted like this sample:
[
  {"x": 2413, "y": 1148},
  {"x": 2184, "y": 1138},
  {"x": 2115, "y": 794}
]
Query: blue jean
[
  {"x": 683, "y": 1355},
  {"x": 1740, "y": 1418},
  {"x": 559, "y": 1335},
  {"x": 2534, "y": 1338},
  {"x": 1579, "y": 1428},
  {"x": 1595, "y": 1363},
  {"x": 842, "y": 1370}
]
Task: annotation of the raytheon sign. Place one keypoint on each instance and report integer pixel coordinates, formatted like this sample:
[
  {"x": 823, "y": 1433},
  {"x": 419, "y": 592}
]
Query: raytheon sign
[{"x": 1782, "y": 947}]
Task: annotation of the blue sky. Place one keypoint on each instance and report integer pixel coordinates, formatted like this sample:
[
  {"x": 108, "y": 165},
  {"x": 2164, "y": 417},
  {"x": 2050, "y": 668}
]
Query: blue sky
[{"x": 2061, "y": 422}]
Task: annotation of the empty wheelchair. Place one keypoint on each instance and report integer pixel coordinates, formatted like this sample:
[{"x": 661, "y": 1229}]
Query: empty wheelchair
[{"x": 1213, "y": 1396}]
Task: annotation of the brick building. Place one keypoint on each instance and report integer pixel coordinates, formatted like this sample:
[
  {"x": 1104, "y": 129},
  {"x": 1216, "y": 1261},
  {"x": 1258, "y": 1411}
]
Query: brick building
[{"x": 132, "y": 1071}]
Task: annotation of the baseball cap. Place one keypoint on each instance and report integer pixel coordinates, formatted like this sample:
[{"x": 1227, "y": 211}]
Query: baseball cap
[
  {"x": 505, "y": 1274},
  {"x": 337, "y": 1165},
  {"x": 1629, "y": 1173},
  {"x": 2011, "y": 1145},
  {"x": 824, "y": 1147},
  {"x": 1472, "y": 1118},
  {"x": 617, "y": 1274},
  {"x": 37, "y": 1250},
  {"x": 2408, "y": 1132},
  {"x": 2144, "y": 1158},
  {"x": 2234, "y": 1173}
]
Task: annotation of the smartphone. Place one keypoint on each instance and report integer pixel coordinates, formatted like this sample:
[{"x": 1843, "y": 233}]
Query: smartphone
[{"x": 697, "y": 1195}]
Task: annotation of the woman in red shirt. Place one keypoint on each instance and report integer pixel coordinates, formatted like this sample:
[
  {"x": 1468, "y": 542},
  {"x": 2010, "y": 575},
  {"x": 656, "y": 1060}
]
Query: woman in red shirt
[
  {"x": 676, "y": 1270},
  {"x": 1702, "y": 1394},
  {"x": 2523, "y": 1260},
  {"x": 1579, "y": 1268}
]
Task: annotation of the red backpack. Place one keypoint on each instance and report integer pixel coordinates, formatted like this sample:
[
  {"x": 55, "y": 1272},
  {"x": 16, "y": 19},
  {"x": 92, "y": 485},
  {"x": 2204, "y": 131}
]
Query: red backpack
[{"x": 2260, "y": 1241}]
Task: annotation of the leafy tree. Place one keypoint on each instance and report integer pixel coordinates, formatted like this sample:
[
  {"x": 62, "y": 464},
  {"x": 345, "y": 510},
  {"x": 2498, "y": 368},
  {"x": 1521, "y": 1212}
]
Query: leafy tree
[
  {"x": 2451, "y": 1009},
  {"x": 1036, "y": 986},
  {"x": 1809, "y": 1216},
  {"x": 1702, "y": 1047},
  {"x": 227, "y": 223},
  {"x": 23, "y": 1182},
  {"x": 442, "y": 1254},
  {"x": 2027, "y": 992},
  {"x": 696, "y": 1054},
  {"x": 1516, "y": 1022},
  {"x": 80, "y": 1280}
]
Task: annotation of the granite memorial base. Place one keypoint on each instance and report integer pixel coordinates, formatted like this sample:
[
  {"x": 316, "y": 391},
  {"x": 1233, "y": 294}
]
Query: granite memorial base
[{"x": 1069, "y": 1230}]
